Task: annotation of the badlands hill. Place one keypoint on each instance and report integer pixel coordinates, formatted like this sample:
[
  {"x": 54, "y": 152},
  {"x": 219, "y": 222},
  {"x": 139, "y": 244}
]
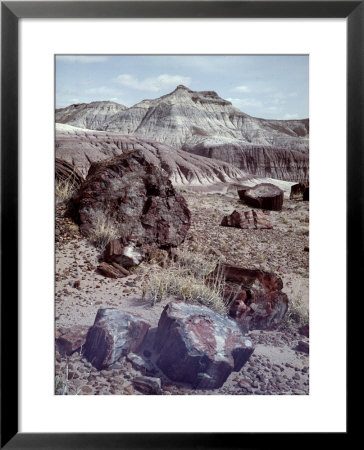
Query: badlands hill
[
  {"x": 205, "y": 124},
  {"x": 82, "y": 147}
]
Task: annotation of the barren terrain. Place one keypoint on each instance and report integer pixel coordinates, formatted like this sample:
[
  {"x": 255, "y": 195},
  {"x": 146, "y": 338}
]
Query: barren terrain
[{"x": 276, "y": 366}]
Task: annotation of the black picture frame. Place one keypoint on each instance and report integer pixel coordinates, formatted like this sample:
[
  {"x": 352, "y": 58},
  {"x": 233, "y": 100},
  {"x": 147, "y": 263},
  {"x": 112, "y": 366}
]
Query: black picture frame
[{"x": 11, "y": 12}]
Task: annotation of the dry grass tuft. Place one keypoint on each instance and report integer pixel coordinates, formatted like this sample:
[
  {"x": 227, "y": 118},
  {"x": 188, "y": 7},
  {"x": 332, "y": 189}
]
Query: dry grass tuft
[
  {"x": 104, "y": 230},
  {"x": 297, "y": 311},
  {"x": 186, "y": 280},
  {"x": 64, "y": 190}
]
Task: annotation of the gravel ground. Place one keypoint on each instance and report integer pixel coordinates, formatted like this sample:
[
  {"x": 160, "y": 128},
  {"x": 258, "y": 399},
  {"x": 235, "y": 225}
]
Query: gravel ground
[{"x": 276, "y": 367}]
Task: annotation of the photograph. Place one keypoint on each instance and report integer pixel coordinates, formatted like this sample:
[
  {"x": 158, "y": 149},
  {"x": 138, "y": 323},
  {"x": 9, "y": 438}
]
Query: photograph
[{"x": 181, "y": 224}]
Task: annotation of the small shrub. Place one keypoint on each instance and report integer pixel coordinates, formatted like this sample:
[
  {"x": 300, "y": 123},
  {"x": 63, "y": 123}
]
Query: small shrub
[
  {"x": 186, "y": 280},
  {"x": 64, "y": 190},
  {"x": 297, "y": 311},
  {"x": 104, "y": 230}
]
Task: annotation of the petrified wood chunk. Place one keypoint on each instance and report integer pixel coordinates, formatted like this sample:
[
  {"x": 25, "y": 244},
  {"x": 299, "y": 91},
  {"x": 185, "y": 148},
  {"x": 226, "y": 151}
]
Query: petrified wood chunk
[
  {"x": 264, "y": 196},
  {"x": 112, "y": 270},
  {"x": 136, "y": 199},
  {"x": 255, "y": 297},
  {"x": 306, "y": 194},
  {"x": 241, "y": 192},
  {"x": 247, "y": 220},
  {"x": 297, "y": 190},
  {"x": 114, "y": 334},
  {"x": 198, "y": 346},
  {"x": 124, "y": 255}
]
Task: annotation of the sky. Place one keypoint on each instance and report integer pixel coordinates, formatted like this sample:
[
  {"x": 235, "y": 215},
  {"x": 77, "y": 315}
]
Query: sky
[{"x": 267, "y": 86}]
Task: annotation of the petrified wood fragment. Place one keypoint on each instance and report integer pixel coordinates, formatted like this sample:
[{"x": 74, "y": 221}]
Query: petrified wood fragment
[
  {"x": 264, "y": 196},
  {"x": 254, "y": 297},
  {"x": 198, "y": 346},
  {"x": 247, "y": 220},
  {"x": 114, "y": 334}
]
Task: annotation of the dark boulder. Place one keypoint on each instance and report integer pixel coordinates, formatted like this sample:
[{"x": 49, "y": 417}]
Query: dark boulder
[
  {"x": 241, "y": 192},
  {"x": 114, "y": 334},
  {"x": 297, "y": 190},
  {"x": 253, "y": 220},
  {"x": 136, "y": 199},
  {"x": 306, "y": 194},
  {"x": 254, "y": 297},
  {"x": 264, "y": 196},
  {"x": 197, "y": 346}
]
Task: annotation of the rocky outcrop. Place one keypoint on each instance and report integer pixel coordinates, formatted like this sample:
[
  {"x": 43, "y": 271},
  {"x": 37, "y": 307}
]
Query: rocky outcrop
[
  {"x": 263, "y": 161},
  {"x": 265, "y": 196},
  {"x": 134, "y": 198},
  {"x": 81, "y": 148},
  {"x": 198, "y": 346},
  {"x": 205, "y": 124},
  {"x": 297, "y": 190},
  {"x": 114, "y": 334},
  {"x": 255, "y": 297},
  {"x": 94, "y": 115},
  {"x": 251, "y": 220}
]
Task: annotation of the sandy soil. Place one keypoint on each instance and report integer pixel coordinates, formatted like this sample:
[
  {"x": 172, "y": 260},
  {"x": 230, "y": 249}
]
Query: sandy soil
[{"x": 276, "y": 366}]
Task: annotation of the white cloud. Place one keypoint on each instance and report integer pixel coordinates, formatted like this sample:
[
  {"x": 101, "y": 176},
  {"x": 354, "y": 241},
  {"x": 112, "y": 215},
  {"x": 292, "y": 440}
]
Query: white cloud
[
  {"x": 242, "y": 103},
  {"x": 82, "y": 59},
  {"x": 244, "y": 89},
  {"x": 152, "y": 84}
]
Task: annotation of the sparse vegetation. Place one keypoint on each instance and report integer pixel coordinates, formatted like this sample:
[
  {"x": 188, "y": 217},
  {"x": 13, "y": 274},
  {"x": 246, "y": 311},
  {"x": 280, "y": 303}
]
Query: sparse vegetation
[
  {"x": 186, "y": 280},
  {"x": 104, "y": 230},
  {"x": 64, "y": 190},
  {"x": 297, "y": 311}
]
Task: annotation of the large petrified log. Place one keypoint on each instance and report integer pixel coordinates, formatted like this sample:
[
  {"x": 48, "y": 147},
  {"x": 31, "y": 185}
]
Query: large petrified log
[
  {"x": 66, "y": 171},
  {"x": 114, "y": 334},
  {"x": 252, "y": 220},
  {"x": 198, "y": 346},
  {"x": 255, "y": 297},
  {"x": 264, "y": 196},
  {"x": 134, "y": 198}
]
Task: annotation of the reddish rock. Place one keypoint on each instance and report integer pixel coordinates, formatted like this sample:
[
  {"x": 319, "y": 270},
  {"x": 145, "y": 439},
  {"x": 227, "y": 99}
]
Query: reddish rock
[
  {"x": 71, "y": 339},
  {"x": 114, "y": 334},
  {"x": 110, "y": 271},
  {"x": 264, "y": 196},
  {"x": 253, "y": 220},
  {"x": 255, "y": 297},
  {"x": 197, "y": 346},
  {"x": 136, "y": 198}
]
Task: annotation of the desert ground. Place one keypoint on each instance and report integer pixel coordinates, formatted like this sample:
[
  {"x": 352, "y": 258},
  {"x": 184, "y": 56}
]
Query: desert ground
[{"x": 280, "y": 362}]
